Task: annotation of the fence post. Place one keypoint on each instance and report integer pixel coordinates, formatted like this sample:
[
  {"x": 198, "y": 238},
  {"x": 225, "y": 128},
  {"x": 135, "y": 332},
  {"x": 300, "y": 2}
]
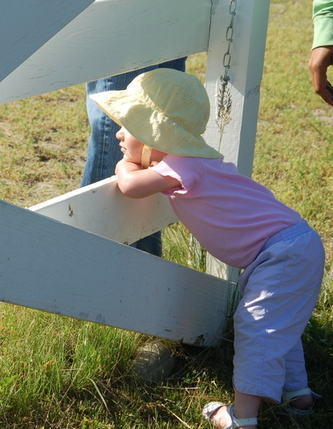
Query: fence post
[{"x": 236, "y": 140}]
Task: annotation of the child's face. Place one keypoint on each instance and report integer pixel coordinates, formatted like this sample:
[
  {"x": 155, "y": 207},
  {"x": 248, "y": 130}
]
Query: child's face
[{"x": 130, "y": 146}]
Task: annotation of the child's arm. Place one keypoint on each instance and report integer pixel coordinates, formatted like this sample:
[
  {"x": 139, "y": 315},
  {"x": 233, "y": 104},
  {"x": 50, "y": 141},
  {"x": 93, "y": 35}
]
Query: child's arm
[{"x": 134, "y": 181}]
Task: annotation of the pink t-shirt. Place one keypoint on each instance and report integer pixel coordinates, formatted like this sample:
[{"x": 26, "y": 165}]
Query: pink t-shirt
[{"x": 231, "y": 215}]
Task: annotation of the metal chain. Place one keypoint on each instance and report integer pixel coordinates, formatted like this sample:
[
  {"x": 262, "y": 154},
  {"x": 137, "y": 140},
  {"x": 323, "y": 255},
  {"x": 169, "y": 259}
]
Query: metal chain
[{"x": 224, "y": 101}]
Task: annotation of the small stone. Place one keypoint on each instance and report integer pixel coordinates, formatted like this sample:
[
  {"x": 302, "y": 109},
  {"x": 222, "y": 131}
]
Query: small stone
[{"x": 154, "y": 362}]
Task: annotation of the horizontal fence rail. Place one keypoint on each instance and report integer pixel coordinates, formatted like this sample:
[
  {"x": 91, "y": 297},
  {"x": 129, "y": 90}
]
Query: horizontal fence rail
[
  {"x": 60, "y": 269},
  {"x": 109, "y": 37},
  {"x": 26, "y": 25},
  {"x": 102, "y": 209}
]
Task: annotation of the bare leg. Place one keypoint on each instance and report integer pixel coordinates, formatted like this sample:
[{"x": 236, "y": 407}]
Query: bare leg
[
  {"x": 304, "y": 402},
  {"x": 246, "y": 406}
]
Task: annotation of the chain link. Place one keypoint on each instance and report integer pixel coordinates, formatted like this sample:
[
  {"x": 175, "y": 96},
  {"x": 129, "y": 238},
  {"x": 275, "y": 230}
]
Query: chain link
[{"x": 224, "y": 101}]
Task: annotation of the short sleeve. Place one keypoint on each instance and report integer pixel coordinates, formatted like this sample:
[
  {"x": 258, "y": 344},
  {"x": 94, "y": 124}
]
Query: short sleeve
[
  {"x": 323, "y": 23},
  {"x": 184, "y": 169}
]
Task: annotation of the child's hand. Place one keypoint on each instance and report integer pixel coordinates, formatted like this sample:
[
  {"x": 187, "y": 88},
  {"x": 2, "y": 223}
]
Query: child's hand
[{"x": 320, "y": 60}]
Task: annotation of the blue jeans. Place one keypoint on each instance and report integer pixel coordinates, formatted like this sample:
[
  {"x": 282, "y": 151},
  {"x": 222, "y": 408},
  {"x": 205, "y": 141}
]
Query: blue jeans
[{"x": 103, "y": 148}]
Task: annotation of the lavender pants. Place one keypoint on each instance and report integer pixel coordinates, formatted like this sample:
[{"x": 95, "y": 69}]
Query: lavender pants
[{"x": 280, "y": 289}]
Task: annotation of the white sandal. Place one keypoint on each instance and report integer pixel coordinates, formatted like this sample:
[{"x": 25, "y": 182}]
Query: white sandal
[
  {"x": 288, "y": 397},
  {"x": 212, "y": 407}
]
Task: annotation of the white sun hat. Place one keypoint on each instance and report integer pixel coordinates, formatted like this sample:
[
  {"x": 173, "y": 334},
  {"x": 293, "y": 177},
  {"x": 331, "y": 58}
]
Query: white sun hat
[{"x": 164, "y": 109}]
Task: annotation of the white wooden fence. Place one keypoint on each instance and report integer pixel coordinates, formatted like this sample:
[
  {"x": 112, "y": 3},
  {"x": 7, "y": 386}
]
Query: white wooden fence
[{"x": 67, "y": 255}]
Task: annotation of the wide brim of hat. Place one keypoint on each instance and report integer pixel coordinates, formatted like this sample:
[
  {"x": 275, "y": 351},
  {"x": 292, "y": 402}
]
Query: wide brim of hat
[{"x": 151, "y": 126}]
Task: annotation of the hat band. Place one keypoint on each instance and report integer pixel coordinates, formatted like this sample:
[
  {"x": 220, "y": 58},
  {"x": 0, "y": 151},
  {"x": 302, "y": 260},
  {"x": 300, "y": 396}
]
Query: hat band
[{"x": 145, "y": 156}]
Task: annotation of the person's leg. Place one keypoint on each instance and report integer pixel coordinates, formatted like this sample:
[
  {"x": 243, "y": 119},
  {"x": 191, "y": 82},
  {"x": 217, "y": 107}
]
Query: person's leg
[
  {"x": 226, "y": 416},
  {"x": 103, "y": 148},
  {"x": 279, "y": 296},
  {"x": 296, "y": 375},
  {"x": 297, "y": 379},
  {"x": 280, "y": 291}
]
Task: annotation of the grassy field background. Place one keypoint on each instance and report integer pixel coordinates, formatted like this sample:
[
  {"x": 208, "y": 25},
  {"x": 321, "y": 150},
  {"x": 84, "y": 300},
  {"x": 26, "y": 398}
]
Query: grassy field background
[{"x": 56, "y": 372}]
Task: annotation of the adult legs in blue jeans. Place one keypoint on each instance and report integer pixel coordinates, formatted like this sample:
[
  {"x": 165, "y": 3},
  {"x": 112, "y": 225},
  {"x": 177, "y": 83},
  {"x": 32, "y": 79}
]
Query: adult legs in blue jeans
[{"x": 103, "y": 148}]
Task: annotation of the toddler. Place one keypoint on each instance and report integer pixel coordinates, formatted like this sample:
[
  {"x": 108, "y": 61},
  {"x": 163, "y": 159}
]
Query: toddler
[{"x": 162, "y": 115}]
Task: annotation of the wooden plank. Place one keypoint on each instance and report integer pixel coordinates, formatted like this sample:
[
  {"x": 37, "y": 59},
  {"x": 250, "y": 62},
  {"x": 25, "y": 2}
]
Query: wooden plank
[
  {"x": 102, "y": 209},
  {"x": 247, "y": 56},
  {"x": 60, "y": 269},
  {"x": 26, "y": 25},
  {"x": 111, "y": 37}
]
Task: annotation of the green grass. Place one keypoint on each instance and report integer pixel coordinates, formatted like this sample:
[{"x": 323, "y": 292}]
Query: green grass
[{"x": 57, "y": 372}]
